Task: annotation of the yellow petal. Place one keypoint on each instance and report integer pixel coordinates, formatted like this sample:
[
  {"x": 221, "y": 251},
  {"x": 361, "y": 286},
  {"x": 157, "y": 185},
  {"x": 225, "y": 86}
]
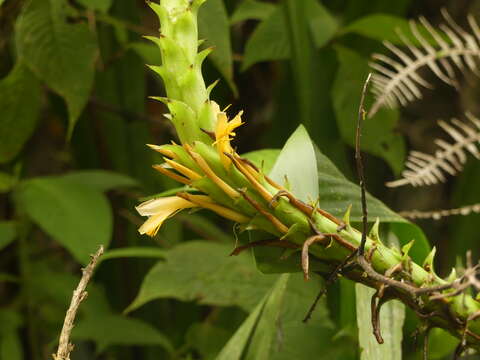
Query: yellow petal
[
  {"x": 159, "y": 210},
  {"x": 164, "y": 204}
]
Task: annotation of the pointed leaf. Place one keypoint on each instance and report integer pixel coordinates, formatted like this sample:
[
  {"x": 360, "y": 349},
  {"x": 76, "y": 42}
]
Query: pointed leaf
[
  {"x": 392, "y": 317},
  {"x": 19, "y": 110},
  {"x": 251, "y": 9},
  {"x": 235, "y": 347},
  {"x": 213, "y": 26},
  {"x": 378, "y": 135},
  {"x": 101, "y": 180},
  {"x": 59, "y": 53},
  {"x": 111, "y": 329},
  {"x": 297, "y": 165},
  {"x": 222, "y": 280},
  {"x": 75, "y": 215}
]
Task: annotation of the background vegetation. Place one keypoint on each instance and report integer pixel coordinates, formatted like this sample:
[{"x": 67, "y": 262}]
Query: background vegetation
[{"x": 75, "y": 118}]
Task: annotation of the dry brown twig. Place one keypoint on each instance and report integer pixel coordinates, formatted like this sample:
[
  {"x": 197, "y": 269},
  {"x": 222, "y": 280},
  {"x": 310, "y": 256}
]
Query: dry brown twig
[{"x": 79, "y": 294}]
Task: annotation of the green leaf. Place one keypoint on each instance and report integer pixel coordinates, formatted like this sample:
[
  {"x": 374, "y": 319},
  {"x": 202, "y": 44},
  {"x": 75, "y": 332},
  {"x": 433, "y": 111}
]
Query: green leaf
[
  {"x": 323, "y": 25},
  {"x": 7, "y": 233},
  {"x": 207, "y": 339},
  {"x": 275, "y": 330},
  {"x": 100, "y": 5},
  {"x": 59, "y": 53},
  {"x": 274, "y": 38},
  {"x": 222, "y": 280},
  {"x": 101, "y": 180},
  {"x": 269, "y": 41},
  {"x": 19, "y": 110},
  {"x": 266, "y": 330},
  {"x": 235, "y": 347},
  {"x": 378, "y": 135},
  {"x": 297, "y": 166},
  {"x": 77, "y": 216},
  {"x": 392, "y": 316},
  {"x": 113, "y": 329},
  {"x": 251, "y": 9},
  {"x": 213, "y": 26},
  {"x": 384, "y": 27},
  {"x": 135, "y": 252}
]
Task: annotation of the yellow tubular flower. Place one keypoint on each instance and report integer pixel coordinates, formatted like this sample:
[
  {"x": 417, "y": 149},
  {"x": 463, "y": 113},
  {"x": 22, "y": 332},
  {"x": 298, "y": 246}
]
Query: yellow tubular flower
[
  {"x": 158, "y": 210},
  {"x": 224, "y": 134}
]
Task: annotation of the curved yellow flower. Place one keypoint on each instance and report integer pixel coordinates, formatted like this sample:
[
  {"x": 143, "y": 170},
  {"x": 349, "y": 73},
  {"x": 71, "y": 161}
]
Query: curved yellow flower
[
  {"x": 224, "y": 133},
  {"x": 158, "y": 210}
]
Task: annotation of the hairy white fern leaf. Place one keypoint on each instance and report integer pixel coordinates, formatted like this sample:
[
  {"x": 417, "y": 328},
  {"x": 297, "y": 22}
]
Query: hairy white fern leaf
[
  {"x": 438, "y": 214},
  {"x": 396, "y": 80},
  {"x": 425, "y": 169}
]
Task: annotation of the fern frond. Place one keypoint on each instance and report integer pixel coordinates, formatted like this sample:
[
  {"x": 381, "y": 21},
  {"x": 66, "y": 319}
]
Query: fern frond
[
  {"x": 438, "y": 214},
  {"x": 396, "y": 80},
  {"x": 425, "y": 169}
]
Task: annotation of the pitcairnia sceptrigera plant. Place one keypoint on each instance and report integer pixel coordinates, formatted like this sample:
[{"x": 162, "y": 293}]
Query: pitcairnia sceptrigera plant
[{"x": 219, "y": 179}]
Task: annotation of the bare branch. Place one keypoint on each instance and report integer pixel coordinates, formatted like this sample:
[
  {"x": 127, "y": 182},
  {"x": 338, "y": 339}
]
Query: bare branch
[{"x": 64, "y": 346}]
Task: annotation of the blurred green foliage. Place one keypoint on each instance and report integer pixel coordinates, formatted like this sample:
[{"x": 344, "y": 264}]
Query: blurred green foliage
[{"x": 74, "y": 121}]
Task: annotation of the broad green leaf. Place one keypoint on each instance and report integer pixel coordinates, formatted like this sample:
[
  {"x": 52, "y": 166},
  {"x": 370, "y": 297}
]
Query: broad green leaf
[
  {"x": 235, "y": 347},
  {"x": 207, "y": 338},
  {"x": 77, "y": 216},
  {"x": 392, "y": 316},
  {"x": 59, "y": 53},
  {"x": 7, "y": 233},
  {"x": 275, "y": 330},
  {"x": 269, "y": 41},
  {"x": 114, "y": 329},
  {"x": 294, "y": 339},
  {"x": 378, "y": 134},
  {"x": 251, "y": 9},
  {"x": 207, "y": 228},
  {"x": 320, "y": 27},
  {"x": 323, "y": 25},
  {"x": 382, "y": 27},
  {"x": 296, "y": 166},
  {"x": 100, "y": 5},
  {"x": 266, "y": 330},
  {"x": 213, "y": 26},
  {"x": 385, "y": 27},
  {"x": 135, "y": 252},
  {"x": 222, "y": 280},
  {"x": 101, "y": 180},
  {"x": 19, "y": 110}
]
